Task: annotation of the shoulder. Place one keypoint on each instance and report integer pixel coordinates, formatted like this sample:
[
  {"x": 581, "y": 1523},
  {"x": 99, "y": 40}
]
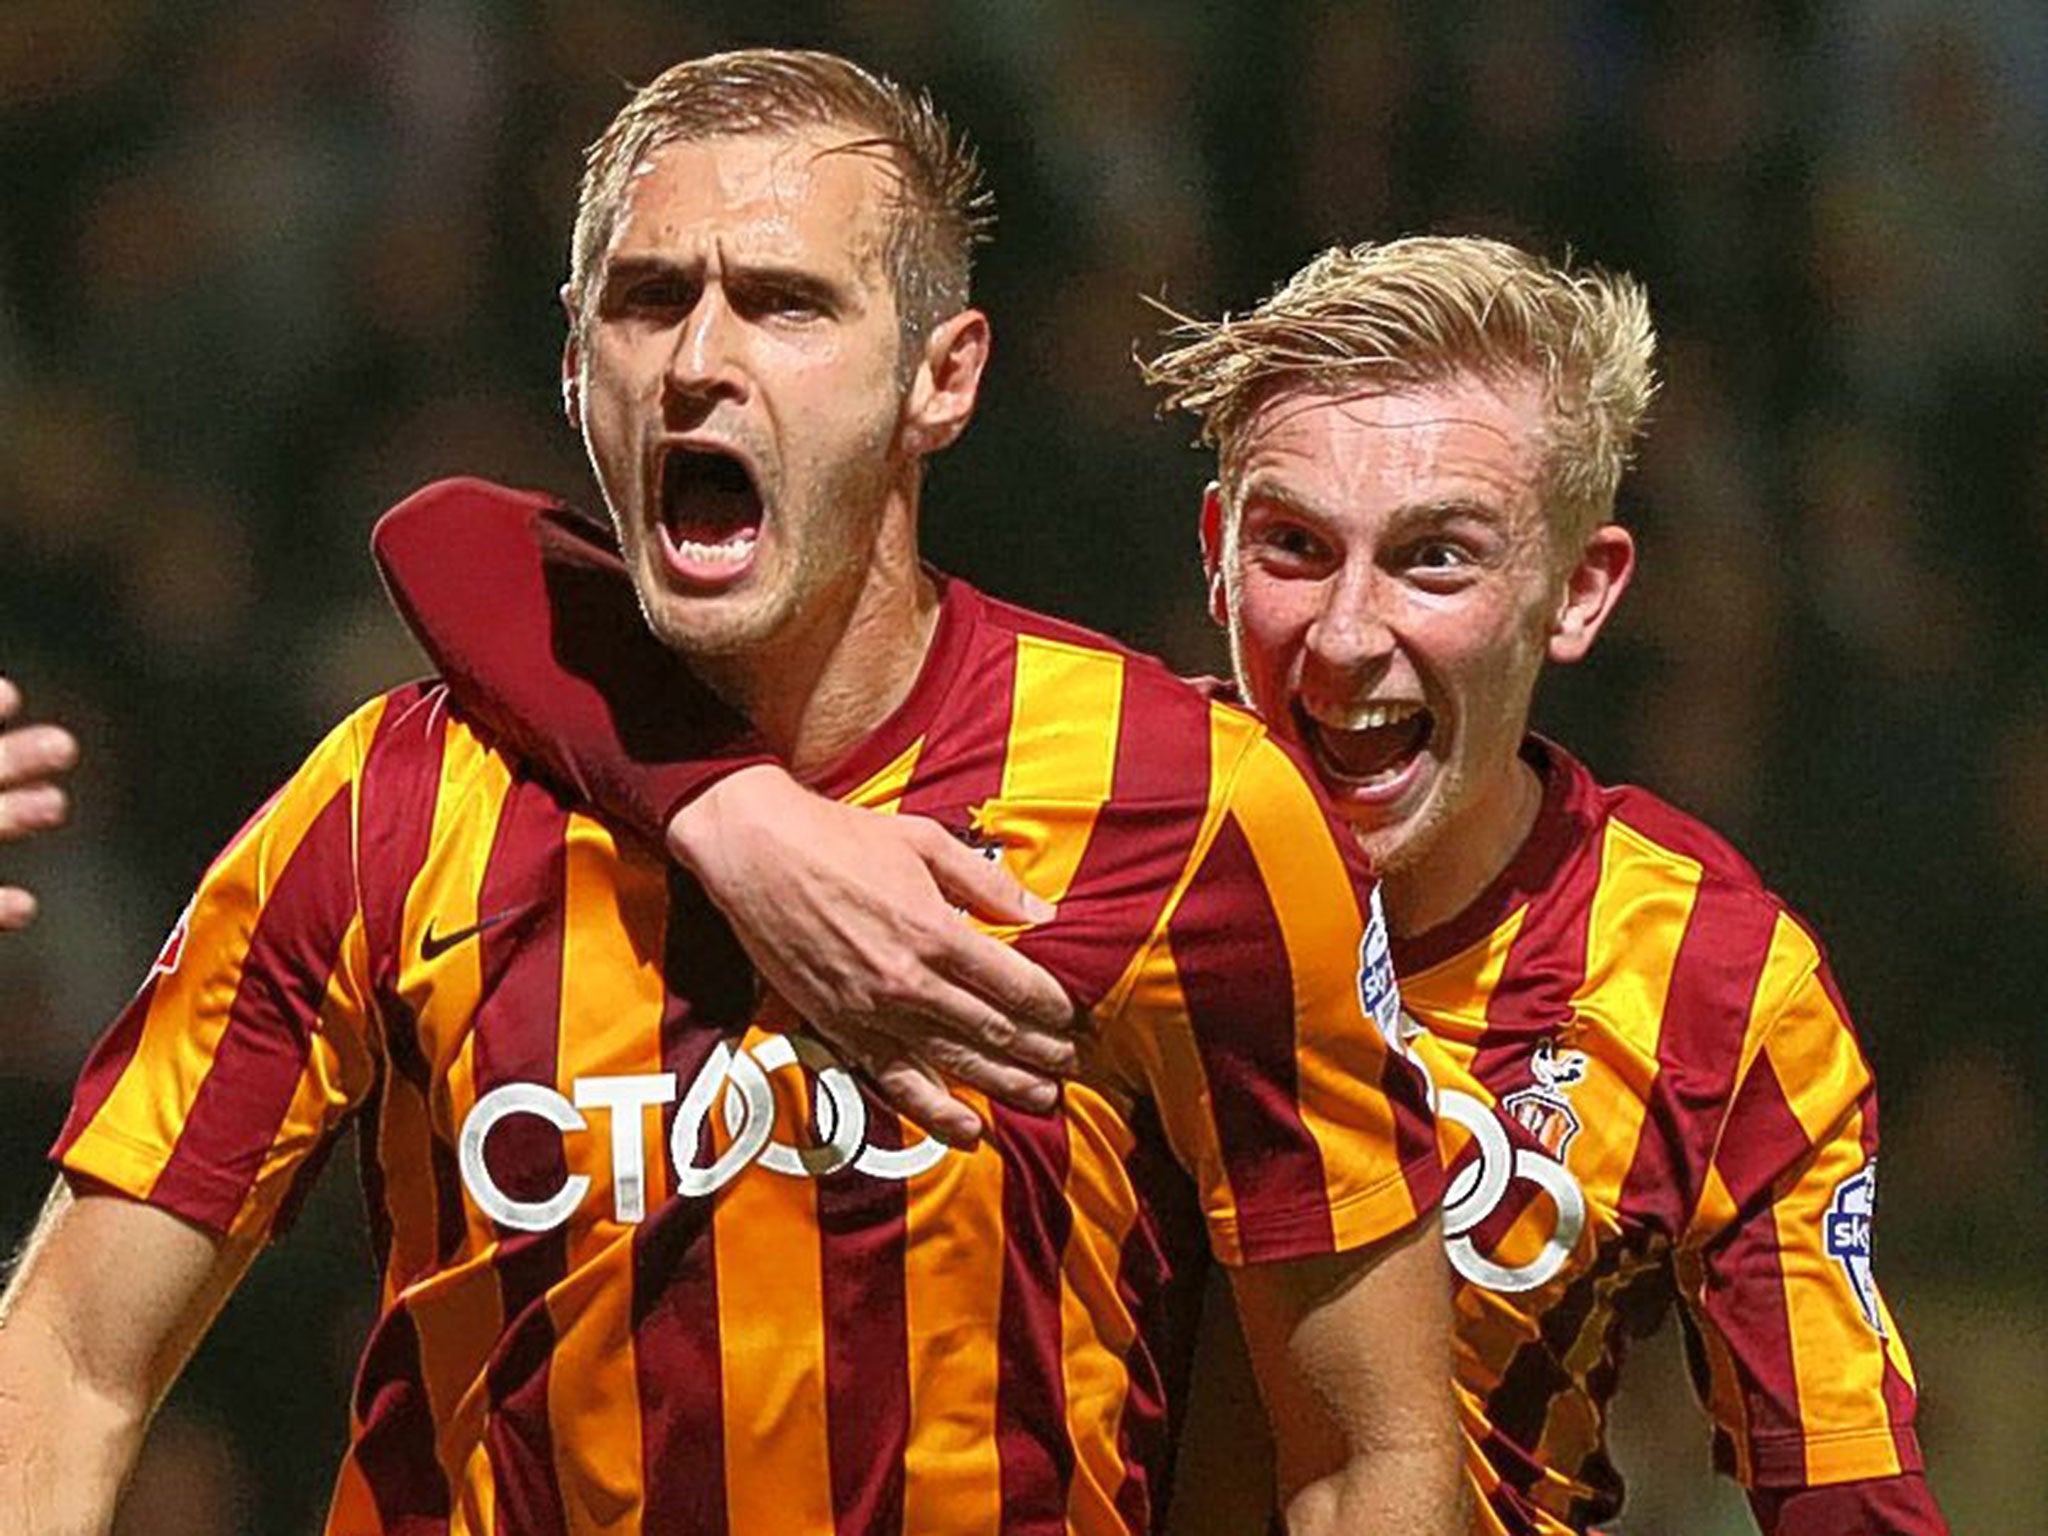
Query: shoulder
[
  {"x": 1174, "y": 738},
  {"x": 1732, "y": 941}
]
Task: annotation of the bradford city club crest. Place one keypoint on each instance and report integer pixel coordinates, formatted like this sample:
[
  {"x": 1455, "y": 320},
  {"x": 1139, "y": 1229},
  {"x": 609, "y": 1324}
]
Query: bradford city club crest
[
  {"x": 1542, "y": 1108},
  {"x": 1846, "y": 1232}
]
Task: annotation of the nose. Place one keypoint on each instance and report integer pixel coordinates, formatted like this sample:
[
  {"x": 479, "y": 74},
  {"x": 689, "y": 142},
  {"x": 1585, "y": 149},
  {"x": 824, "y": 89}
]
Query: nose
[
  {"x": 1351, "y": 632},
  {"x": 705, "y": 364}
]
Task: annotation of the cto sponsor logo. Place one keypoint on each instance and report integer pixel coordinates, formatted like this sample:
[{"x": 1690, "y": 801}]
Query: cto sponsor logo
[
  {"x": 1846, "y": 1236},
  {"x": 735, "y": 1084}
]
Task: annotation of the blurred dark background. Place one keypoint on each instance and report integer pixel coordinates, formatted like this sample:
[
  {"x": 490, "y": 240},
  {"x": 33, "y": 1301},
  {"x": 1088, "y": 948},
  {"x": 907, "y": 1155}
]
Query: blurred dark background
[{"x": 267, "y": 268}]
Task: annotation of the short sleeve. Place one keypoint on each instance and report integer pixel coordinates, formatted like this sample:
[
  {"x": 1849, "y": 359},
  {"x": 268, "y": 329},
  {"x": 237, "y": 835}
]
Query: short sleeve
[
  {"x": 1305, "y": 1130},
  {"x": 216, "y": 1092},
  {"x": 1808, "y": 1380}
]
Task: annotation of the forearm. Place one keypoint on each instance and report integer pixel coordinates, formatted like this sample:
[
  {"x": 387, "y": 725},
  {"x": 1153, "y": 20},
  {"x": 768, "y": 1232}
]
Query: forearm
[
  {"x": 1395, "y": 1488},
  {"x": 66, "y": 1447}
]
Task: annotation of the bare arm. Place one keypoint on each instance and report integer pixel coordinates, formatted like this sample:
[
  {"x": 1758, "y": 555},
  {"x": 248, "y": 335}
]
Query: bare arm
[
  {"x": 32, "y": 757},
  {"x": 1352, "y": 1355},
  {"x": 106, "y": 1304}
]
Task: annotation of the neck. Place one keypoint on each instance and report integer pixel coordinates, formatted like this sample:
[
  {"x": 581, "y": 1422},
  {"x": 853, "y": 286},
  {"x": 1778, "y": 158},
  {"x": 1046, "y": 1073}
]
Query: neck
[
  {"x": 1465, "y": 857},
  {"x": 831, "y": 678}
]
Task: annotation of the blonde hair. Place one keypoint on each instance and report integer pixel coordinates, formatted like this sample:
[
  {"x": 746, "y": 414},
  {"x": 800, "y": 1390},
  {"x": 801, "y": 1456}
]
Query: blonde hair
[
  {"x": 940, "y": 209},
  {"x": 1417, "y": 312}
]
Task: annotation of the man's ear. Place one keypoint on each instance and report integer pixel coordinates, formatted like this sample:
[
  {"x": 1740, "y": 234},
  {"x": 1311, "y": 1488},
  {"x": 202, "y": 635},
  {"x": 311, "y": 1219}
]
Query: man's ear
[
  {"x": 572, "y": 363},
  {"x": 947, "y": 383},
  {"x": 1212, "y": 551},
  {"x": 1592, "y": 587}
]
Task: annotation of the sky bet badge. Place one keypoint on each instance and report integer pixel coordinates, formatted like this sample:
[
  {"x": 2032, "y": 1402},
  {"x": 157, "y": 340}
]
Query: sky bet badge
[
  {"x": 1847, "y": 1231},
  {"x": 1377, "y": 989}
]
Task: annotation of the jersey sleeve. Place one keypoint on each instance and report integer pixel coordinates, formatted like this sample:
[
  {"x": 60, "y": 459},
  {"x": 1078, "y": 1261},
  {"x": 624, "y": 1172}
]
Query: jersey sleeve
[
  {"x": 1305, "y": 1129},
  {"x": 525, "y": 608},
  {"x": 217, "y": 1091},
  {"x": 1807, "y": 1379}
]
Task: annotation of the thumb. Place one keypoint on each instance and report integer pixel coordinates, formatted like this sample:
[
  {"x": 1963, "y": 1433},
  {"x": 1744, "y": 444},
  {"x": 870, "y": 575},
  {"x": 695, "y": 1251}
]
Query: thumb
[{"x": 971, "y": 879}]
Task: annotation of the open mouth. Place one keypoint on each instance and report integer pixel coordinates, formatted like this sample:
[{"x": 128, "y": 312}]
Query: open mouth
[
  {"x": 711, "y": 510},
  {"x": 1369, "y": 746}
]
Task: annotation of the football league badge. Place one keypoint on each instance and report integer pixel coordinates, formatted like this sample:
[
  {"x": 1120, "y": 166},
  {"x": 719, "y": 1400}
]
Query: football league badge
[
  {"x": 1846, "y": 1230},
  {"x": 1543, "y": 1109}
]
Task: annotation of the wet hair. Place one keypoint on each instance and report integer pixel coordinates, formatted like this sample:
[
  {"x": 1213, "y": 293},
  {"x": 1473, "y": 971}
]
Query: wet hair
[{"x": 940, "y": 209}]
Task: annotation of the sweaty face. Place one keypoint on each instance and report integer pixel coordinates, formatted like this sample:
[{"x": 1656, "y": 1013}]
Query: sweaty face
[
  {"x": 736, "y": 383},
  {"x": 1389, "y": 590}
]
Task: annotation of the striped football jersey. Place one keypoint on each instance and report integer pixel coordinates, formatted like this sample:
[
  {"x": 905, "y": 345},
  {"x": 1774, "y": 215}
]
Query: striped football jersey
[
  {"x": 1648, "y": 1090},
  {"x": 652, "y": 1260}
]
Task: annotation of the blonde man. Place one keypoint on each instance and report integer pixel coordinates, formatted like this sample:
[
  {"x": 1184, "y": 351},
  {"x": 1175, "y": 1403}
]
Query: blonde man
[
  {"x": 1647, "y": 1087},
  {"x": 651, "y": 1259}
]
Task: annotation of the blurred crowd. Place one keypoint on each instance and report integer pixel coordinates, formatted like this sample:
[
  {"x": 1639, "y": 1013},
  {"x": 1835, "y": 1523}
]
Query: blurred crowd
[{"x": 267, "y": 268}]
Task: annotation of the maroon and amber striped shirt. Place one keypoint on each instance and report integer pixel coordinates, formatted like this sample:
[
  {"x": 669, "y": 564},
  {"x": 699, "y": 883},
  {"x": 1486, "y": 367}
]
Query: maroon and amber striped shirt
[
  {"x": 1648, "y": 1089},
  {"x": 651, "y": 1263}
]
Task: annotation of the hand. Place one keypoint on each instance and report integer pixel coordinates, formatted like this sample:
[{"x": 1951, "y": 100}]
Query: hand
[
  {"x": 855, "y": 919},
  {"x": 31, "y": 758}
]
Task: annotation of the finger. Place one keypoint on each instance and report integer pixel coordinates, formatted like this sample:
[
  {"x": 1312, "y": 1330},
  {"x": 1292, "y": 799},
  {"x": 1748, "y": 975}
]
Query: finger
[
  {"x": 941, "y": 1010},
  {"x": 1018, "y": 988},
  {"x": 17, "y": 908},
  {"x": 922, "y": 1097},
  {"x": 10, "y": 700},
  {"x": 36, "y": 752},
  {"x": 982, "y": 885},
  {"x": 38, "y": 808},
  {"x": 993, "y": 1075}
]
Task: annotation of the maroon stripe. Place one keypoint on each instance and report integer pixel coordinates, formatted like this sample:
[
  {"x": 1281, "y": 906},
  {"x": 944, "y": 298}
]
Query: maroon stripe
[
  {"x": 1236, "y": 977},
  {"x": 395, "y": 1446},
  {"x": 241, "y": 1104},
  {"x": 515, "y": 1032},
  {"x": 1743, "y": 1294},
  {"x": 1037, "y": 1458},
  {"x": 862, "y": 1241},
  {"x": 1160, "y": 1275},
  {"x": 1898, "y": 1506},
  {"x": 1159, "y": 795},
  {"x": 401, "y": 780},
  {"x": 1714, "y": 979},
  {"x": 710, "y": 995},
  {"x": 104, "y": 1067},
  {"x": 1543, "y": 971}
]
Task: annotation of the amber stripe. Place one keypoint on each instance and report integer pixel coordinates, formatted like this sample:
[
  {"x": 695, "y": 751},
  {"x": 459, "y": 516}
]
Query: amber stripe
[{"x": 615, "y": 906}]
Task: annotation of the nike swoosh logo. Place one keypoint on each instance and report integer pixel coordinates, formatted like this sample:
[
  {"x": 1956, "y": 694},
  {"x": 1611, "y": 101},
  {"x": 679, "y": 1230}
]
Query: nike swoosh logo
[{"x": 433, "y": 945}]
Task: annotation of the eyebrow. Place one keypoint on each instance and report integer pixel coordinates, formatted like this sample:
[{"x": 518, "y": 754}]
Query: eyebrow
[
  {"x": 1438, "y": 510},
  {"x": 740, "y": 274}
]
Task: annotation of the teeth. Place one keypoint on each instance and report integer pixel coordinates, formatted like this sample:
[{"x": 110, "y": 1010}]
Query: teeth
[
  {"x": 726, "y": 552},
  {"x": 1363, "y": 717}
]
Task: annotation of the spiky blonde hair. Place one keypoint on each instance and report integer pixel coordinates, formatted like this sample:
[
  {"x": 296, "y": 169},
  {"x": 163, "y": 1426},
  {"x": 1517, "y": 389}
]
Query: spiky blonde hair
[
  {"x": 1416, "y": 312},
  {"x": 941, "y": 209}
]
